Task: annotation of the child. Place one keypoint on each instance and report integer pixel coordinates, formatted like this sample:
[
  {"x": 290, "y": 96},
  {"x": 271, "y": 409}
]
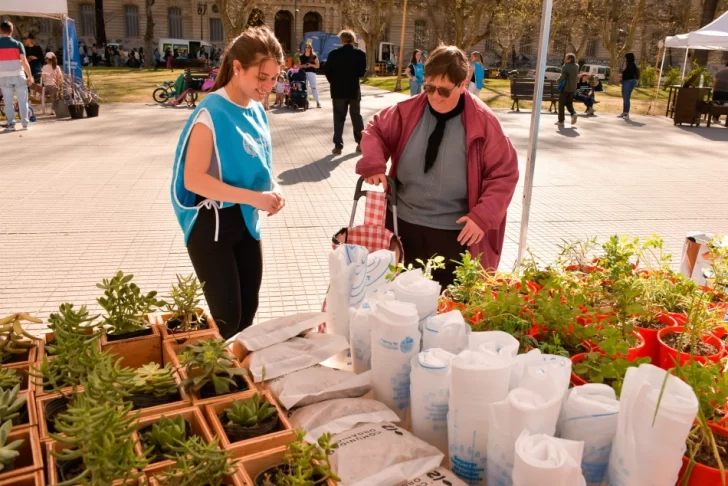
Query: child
[{"x": 281, "y": 86}]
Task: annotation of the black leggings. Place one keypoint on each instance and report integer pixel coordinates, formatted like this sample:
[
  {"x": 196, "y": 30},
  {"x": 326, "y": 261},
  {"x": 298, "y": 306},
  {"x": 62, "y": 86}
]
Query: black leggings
[{"x": 231, "y": 268}]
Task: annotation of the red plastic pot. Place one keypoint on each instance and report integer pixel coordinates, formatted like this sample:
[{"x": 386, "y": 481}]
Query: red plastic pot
[
  {"x": 637, "y": 351},
  {"x": 669, "y": 356},
  {"x": 586, "y": 268},
  {"x": 575, "y": 379},
  {"x": 652, "y": 347},
  {"x": 703, "y": 475}
]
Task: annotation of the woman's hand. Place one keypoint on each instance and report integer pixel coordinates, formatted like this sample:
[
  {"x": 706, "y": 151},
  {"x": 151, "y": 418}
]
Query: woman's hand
[
  {"x": 281, "y": 200},
  {"x": 270, "y": 202},
  {"x": 377, "y": 180},
  {"x": 471, "y": 234}
]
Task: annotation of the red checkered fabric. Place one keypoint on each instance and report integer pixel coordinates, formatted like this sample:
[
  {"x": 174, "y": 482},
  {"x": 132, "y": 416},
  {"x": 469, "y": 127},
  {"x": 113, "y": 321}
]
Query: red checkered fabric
[{"x": 375, "y": 209}]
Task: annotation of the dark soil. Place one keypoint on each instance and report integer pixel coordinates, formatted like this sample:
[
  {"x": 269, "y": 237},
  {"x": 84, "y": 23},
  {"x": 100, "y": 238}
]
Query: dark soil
[
  {"x": 147, "y": 401},
  {"x": 129, "y": 335},
  {"x": 646, "y": 323},
  {"x": 238, "y": 433},
  {"x": 681, "y": 342},
  {"x": 208, "y": 390},
  {"x": 705, "y": 455},
  {"x": 199, "y": 325},
  {"x": 69, "y": 469},
  {"x": 272, "y": 472},
  {"x": 10, "y": 358},
  {"x": 157, "y": 455},
  {"x": 52, "y": 409},
  {"x": 23, "y": 416}
]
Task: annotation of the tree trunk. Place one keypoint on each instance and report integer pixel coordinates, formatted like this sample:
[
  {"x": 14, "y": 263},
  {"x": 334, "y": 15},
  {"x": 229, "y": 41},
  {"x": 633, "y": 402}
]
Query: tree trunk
[
  {"x": 371, "y": 42},
  {"x": 149, "y": 36},
  {"x": 709, "y": 8},
  {"x": 100, "y": 24}
]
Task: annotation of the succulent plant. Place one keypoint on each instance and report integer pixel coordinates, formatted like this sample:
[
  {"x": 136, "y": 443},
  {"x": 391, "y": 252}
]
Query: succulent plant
[
  {"x": 199, "y": 463},
  {"x": 13, "y": 338},
  {"x": 69, "y": 323},
  {"x": 306, "y": 464},
  {"x": 8, "y": 452},
  {"x": 250, "y": 412},
  {"x": 209, "y": 362},
  {"x": 9, "y": 378},
  {"x": 152, "y": 380},
  {"x": 186, "y": 297},
  {"x": 105, "y": 382},
  {"x": 76, "y": 357},
  {"x": 10, "y": 404},
  {"x": 125, "y": 305},
  {"x": 167, "y": 434}
]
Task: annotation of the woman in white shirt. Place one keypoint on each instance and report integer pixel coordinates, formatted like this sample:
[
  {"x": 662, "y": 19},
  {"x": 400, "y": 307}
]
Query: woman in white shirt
[{"x": 51, "y": 77}]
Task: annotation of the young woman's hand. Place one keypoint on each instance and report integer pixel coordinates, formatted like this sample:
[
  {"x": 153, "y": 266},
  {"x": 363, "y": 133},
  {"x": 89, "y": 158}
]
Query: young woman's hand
[
  {"x": 270, "y": 202},
  {"x": 281, "y": 200}
]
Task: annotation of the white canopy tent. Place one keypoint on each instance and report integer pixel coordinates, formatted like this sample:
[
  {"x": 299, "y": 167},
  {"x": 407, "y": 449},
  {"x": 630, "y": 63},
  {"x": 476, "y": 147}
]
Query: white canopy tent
[{"x": 56, "y": 9}]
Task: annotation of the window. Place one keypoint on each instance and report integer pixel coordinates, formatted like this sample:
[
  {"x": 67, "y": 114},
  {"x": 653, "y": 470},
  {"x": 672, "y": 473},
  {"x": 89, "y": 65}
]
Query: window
[
  {"x": 88, "y": 20},
  {"x": 216, "y": 34},
  {"x": 421, "y": 40},
  {"x": 174, "y": 18},
  {"x": 591, "y": 48},
  {"x": 131, "y": 21}
]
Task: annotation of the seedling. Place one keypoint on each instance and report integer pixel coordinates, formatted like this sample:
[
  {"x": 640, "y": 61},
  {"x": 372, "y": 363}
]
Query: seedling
[
  {"x": 68, "y": 321},
  {"x": 76, "y": 356},
  {"x": 468, "y": 283},
  {"x": 10, "y": 404},
  {"x": 209, "y": 362},
  {"x": 186, "y": 297},
  {"x": 251, "y": 412},
  {"x": 8, "y": 452},
  {"x": 306, "y": 464},
  {"x": 433, "y": 263},
  {"x": 125, "y": 304}
]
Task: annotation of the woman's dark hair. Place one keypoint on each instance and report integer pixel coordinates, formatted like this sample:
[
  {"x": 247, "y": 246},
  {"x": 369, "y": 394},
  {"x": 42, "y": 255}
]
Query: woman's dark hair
[
  {"x": 254, "y": 46},
  {"x": 629, "y": 57},
  {"x": 413, "y": 60},
  {"x": 448, "y": 61}
]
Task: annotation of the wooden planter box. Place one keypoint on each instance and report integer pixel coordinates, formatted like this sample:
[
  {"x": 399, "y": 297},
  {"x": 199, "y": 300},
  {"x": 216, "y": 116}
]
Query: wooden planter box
[
  {"x": 137, "y": 351},
  {"x": 236, "y": 479},
  {"x": 193, "y": 415},
  {"x": 254, "y": 445},
  {"x": 23, "y": 371},
  {"x": 251, "y": 466},
  {"x": 173, "y": 346},
  {"x": 40, "y": 403},
  {"x": 31, "y": 479},
  {"x": 53, "y": 474},
  {"x": 160, "y": 319},
  {"x": 27, "y": 357},
  {"x": 30, "y": 459},
  {"x": 32, "y": 417}
]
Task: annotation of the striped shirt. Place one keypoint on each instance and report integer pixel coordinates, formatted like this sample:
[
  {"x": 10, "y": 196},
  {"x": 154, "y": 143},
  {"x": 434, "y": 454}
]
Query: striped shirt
[{"x": 10, "y": 52}]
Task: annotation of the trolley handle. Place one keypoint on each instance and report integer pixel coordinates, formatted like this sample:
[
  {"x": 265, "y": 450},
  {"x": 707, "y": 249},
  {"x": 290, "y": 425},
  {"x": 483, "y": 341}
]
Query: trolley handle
[{"x": 391, "y": 196}]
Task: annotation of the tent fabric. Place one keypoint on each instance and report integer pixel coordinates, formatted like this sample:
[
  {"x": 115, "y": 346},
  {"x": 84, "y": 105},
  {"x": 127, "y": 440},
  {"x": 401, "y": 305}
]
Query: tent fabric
[
  {"x": 35, "y": 8},
  {"x": 713, "y": 37}
]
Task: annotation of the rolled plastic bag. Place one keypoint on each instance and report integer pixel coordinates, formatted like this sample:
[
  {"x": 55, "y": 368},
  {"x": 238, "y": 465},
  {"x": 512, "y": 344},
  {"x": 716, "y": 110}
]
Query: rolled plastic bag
[
  {"x": 317, "y": 384},
  {"x": 589, "y": 415},
  {"x": 436, "y": 477},
  {"x": 648, "y": 448},
  {"x": 447, "y": 331},
  {"x": 414, "y": 287},
  {"x": 544, "y": 460},
  {"x": 347, "y": 286},
  {"x": 276, "y": 331},
  {"x": 559, "y": 367},
  {"x": 430, "y": 394},
  {"x": 498, "y": 342},
  {"x": 395, "y": 339},
  {"x": 360, "y": 330}
]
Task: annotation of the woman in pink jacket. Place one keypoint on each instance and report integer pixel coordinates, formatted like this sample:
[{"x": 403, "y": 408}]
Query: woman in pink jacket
[{"x": 454, "y": 167}]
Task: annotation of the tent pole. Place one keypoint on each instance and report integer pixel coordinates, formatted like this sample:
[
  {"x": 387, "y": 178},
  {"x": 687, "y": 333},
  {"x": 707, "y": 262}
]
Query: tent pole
[
  {"x": 659, "y": 77},
  {"x": 533, "y": 132},
  {"x": 685, "y": 64},
  {"x": 68, "y": 43}
]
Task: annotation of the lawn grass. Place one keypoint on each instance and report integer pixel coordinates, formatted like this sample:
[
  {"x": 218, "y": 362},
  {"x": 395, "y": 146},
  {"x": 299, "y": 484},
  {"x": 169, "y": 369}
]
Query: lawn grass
[
  {"x": 497, "y": 94},
  {"x": 128, "y": 85}
]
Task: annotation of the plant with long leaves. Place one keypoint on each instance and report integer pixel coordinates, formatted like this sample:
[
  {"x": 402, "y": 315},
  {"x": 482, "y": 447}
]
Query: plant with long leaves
[
  {"x": 198, "y": 463},
  {"x": 11, "y": 403},
  {"x": 250, "y": 412},
  {"x": 105, "y": 383},
  {"x": 69, "y": 321},
  {"x": 209, "y": 362},
  {"x": 185, "y": 300},
  {"x": 125, "y": 304},
  {"x": 577, "y": 254},
  {"x": 76, "y": 356},
  {"x": 9, "y": 378},
  {"x": 13, "y": 338},
  {"x": 8, "y": 452},
  {"x": 307, "y": 464}
]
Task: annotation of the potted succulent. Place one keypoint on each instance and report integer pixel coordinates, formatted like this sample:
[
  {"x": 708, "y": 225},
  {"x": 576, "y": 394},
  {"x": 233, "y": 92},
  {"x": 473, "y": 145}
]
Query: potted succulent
[
  {"x": 17, "y": 345},
  {"x": 128, "y": 334},
  {"x": 14, "y": 406},
  {"x": 199, "y": 462},
  {"x": 693, "y": 341},
  {"x": 19, "y": 451},
  {"x": 250, "y": 423},
  {"x": 69, "y": 323},
  {"x": 9, "y": 378},
  {"x": 184, "y": 317},
  {"x": 153, "y": 386}
]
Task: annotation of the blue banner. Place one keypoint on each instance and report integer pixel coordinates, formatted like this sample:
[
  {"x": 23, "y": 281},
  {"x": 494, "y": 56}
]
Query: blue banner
[{"x": 71, "y": 56}]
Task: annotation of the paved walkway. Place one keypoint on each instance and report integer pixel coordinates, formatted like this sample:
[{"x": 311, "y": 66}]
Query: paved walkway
[{"x": 85, "y": 198}]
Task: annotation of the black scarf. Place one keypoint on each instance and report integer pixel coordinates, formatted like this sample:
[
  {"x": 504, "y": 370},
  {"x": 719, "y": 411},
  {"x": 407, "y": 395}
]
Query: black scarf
[{"x": 433, "y": 143}]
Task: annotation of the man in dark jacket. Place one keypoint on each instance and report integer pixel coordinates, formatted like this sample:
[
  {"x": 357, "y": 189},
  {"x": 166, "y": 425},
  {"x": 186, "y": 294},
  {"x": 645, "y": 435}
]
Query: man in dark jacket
[
  {"x": 343, "y": 69},
  {"x": 569, "y": 75}
]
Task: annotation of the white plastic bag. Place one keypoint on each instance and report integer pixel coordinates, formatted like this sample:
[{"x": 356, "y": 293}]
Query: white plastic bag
[
  {"x": 644, "y": 454},
  {"x": 430, "y": 393},
  {"x": 275, "y": 331},
  {"x": 589, "y": 415},
  {"x": 557, "y": 366},
  {"x": 347, "y": 286},
  {"x": 360, "y": 330},
  {"x": 381, "y": 455},
  {"x": 293, "y": 355},
  {"x": 378, "y": 264},
  {"x": 543, "y": 460},
  {"x": 395, "y": 339},
  {"x": 339, "y": 415},
  {"x": 447, "y": 331},
  {"x": 317, "y": 384},
  {"x": 413, "y": 287},
  {"x": 498, "y": 342},
  {"x": 436, "y": 477}
]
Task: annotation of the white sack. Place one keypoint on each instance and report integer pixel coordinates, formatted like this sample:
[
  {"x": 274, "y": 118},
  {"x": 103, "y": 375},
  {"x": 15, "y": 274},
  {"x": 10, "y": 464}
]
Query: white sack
[
  {"x": 378, "y": 264},
  {"x": 347, "y": 286},
  {"x": 643, "y": 454},
  {"x": 543, "y": 460},
  {"x": 430, "y": 393},
  {"x": 414, "y": 287},
  {"x": 499, "y": 342},
  {"x": 395, "y": 339},
  {"x": 360, "y": 330},
  {"x": 447, "y": 331},
  {"x": 293, "y": 355},
  {"x": 436, "y": 477},
  {"x": 589, "y": 415},
  {"x": 381, "y": 455},
  {"x": 339, "y": 415},
  {"x": 268, "y": 333},
  {"x": 559, "y": 367},
  {"x": 317, "y": 384}
]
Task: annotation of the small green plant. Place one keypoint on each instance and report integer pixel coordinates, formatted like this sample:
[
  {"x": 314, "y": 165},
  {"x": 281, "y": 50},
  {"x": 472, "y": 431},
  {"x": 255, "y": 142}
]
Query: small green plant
[
  {"x": 433, "y": 263},
  {"x": 250, "y": 412},
  {"x": 577, "y": 254},
  {"x": 697, "y": 70},
  {"x": 71, "y": 321},
  {"x": 75, "y": 357},
  {"x": 672, "y": 78},
  {"x": 186, "y": 297},
  {"x": 10, "y": 404},
  {"x": 13, "y": 338},
  {"x": 209, "y": 362},
  {"x": 125, "y": 304},
  {"x": 307, "y": 464},
  {"x": 152, "y": 380},
  {"x": 9, "y": 378},
  {"x": 167, "y": 434},
  {"x": 105, "y": 382},
  {"x": 198, "y": 463},
  {"x": 608, "y": 368},
  {"x": 468, "y": 283},
  {"x": 718, "y": 276},
  {"x": 648, "y": 76},
  {"x": 8, "y": 452}
]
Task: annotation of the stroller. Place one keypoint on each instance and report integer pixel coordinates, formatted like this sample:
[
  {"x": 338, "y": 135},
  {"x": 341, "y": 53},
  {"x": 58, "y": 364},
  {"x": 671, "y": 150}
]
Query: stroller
[
  {"x": 298, "y": 94},
  {"x": 31, "y": 111}
]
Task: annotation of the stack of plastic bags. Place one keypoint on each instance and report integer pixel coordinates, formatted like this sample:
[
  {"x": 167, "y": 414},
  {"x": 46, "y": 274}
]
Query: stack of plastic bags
[
  {"x": 429, "y": 395},
  {"x": 447, "y": 331},
  {"x": 541, "y": 459}
]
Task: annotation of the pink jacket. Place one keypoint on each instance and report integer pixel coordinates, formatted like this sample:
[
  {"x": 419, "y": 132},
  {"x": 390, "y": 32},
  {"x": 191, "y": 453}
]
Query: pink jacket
[{"x": 492, "y": 163}]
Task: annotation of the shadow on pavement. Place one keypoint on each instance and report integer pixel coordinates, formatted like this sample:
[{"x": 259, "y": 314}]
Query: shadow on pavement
[
  {"x": 568, "y": 132},
  {"x": 714, "y": 133},
  {"x": 316, "y": 171}
]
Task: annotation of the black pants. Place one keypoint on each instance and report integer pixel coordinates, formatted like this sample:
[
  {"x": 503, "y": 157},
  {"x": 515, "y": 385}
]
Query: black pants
[
  {"x": 231, "y": 268},
  {"x": 566, "y": 99},
  {"x": 341, "y": 107},
  {"x": 421, "y": 242}
]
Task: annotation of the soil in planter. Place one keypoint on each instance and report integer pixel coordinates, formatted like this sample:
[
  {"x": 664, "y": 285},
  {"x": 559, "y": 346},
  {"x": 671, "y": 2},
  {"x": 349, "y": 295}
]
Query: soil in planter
[
  {"x": 199, "y": 323},
  {"x": 705, "y": 456},
  {"x": 23, "y": 417},
  {"x": 208, "y": 390},
  {"x": 147, "y": 401},
  {"x": 69, "y": 469},
  {"x": 10, "y": 358},
  {"x": 676, "y": 339},
  {"x": 238, "y": 433},
  {"x": 268, "y": 477},
  {"x": 117, "y": 337},
  {"x": 52, "y": 409},
  {"x": 647, "y": 323},
  {"x": 157, "y": 456}
]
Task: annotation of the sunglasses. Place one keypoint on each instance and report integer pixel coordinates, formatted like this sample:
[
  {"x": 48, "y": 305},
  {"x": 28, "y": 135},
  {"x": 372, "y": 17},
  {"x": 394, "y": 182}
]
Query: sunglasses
[{"x": 443, "y": 92}]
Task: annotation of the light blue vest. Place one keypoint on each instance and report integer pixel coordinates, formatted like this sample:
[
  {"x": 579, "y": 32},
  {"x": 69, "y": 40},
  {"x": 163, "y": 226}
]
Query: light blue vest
[{"x": 244, "y": 157}]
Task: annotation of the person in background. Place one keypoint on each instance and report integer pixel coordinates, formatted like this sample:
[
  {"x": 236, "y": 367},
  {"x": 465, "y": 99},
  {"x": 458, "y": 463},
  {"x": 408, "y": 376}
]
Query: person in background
[
  {"x": 476, "y": 78},
  {"x": 569, "y": 75},
  {"x": 94, "y": 56},
  {"x": 310, "y": 63},
  {"x": 85, "y": 59},
  {"x": 596, "y": 84},
  {"x": 157, "y": 58},
  {"x": 169, "y": 58},
  {"x": 52, "y": 76},
  {"x": 140, "y": 56},
  {"x": 454, "y": 167},
  {"x": 630, "y": 76},
  {"x": 415, "y": 72},
  {"x": 34, "y": 54},
  {"x": 281, "y": 86},
  {"x": 585, "y": 93},
  {"x": 720, "y": 88},
  {"x": 109, "y": 54},
  {"x": 15, "y": 77}
]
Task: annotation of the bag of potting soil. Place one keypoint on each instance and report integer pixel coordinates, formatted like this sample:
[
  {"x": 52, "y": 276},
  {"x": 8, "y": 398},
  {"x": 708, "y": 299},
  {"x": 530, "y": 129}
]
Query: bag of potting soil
[
  {"x": 447, "y": 331},
  {"x": 295, "y": 354},
  {"x": 275, "y": 331},
  {"x": 436, "y": 477},
  {"x": 317, "y": 384},
  {"x": 339, "y": 415},
  {"x": 381, "y": 454},
  {"x": 544, "y": 460}
]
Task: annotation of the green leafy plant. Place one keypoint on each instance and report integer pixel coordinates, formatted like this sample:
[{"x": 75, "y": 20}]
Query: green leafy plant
[
  {"x": 198, "y": 463},
  {"x": 433, "y": 263},
  {"x": 152, "y": 380},
  {"x": 11, "y": 403},
  {"x": 9, "y": 378},
  {"x": 75, "y": 356},
  {"x": 648, "y": 76},
  {"x": 167, "y": 434},
  {"x": 609, "y": 368},
  {"x": 13, "y": 338},
  {"x": 307, "y": 464},
  {"x": 185, "y": 300},
  {"x": 69, "y": 321},
  {"x": 209, "y": 362},
  {"x": 105, "y": 382},
  {"x": 469, "y": 276},
  {"x": 8, "y": 452},
  {"x": 125, "y": 304},
  {"x": 577, "y": 254},
  {"x": 672, "y": 78},
  {"x": 697, "y": 70},
  {"x": 250, "y": 412},
  {"x": 718, "y": 276}
]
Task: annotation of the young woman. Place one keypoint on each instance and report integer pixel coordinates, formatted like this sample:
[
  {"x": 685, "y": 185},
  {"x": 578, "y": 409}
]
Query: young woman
[
  {"x": 477, "y": 73},
  {"x": 310, "y": 63},
  {"x": 416, "y": 73},
  {"x": 222, "y": 178},
  {"x": 630, "y": 75}
]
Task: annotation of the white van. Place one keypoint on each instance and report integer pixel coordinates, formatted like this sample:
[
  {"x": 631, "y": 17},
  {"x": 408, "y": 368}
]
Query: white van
[
  {"x": 601, "y": 72},
  {"x": 186, "y": 48}
]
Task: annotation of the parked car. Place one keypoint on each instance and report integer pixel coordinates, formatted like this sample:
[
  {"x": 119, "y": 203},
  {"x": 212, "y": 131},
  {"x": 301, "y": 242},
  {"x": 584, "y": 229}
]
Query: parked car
[
  {"x": 552, "y": 73},
  {"x": 601, "y": 72}
]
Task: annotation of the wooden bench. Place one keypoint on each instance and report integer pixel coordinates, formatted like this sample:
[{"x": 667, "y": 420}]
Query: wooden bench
[
  {"x": 710, "y": 109},
  {"x": 522, "y": 89}
]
